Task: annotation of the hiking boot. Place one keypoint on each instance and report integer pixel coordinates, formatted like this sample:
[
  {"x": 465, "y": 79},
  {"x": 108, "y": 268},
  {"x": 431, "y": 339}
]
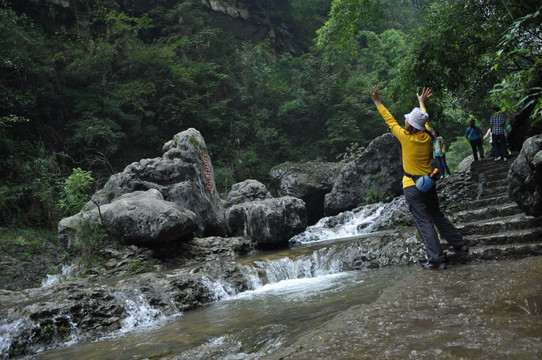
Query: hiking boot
[
  {"x": 434, "y": 266},
  {"x": 463, "y": 249}
]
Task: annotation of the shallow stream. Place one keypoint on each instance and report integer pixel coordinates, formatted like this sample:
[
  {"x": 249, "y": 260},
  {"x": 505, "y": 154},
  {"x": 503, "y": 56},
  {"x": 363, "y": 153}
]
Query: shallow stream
[
  {"x": 245, "y": 326},
  {"x": 305, "y": 286}
]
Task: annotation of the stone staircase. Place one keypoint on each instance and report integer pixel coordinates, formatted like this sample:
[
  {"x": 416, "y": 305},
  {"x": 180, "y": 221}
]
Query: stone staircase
[{"x": 496, "y": 227}]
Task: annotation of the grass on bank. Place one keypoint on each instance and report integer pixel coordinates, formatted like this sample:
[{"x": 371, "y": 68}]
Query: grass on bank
[{"x": 24, "y": 243}]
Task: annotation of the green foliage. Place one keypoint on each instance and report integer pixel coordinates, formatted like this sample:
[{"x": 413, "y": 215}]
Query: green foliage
[
  {"x": 29, "y": 173},
  {"x": 458, "y": 150},
  {"x": 90, "y": 237},
  {"x": 521, "y": 52},
  {"x": 113, "y": 86},
  {"x": 24, "y": 243},
  {"x": 133, "y": 268},
  {"x": 23, "y": 64},
  {"x": 374, "y": 195},
  {"x": 338, "y": 37},
  {"x": 75, "y": 192},
  {"x": 458, "y": 60},
  {"x": 352, "y": 152}
]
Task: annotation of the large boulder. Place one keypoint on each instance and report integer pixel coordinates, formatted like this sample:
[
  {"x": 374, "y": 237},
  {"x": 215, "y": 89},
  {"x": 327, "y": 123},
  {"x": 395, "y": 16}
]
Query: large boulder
[
  {"x": 135, "y": 218},
  {"x": 373, "y": 176},
  {"x": 246, "y": 191},
  {"x": 525, "y": 177},
  {"x": 269, "y": 223},
  {"x": 183, "y": 175},
  {"x": 309, "y": 181},
  {"x": 466, "y": 163}
]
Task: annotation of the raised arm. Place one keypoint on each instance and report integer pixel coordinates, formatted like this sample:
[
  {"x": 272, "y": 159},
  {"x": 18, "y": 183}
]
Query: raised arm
[
  {"x": 374, "y": 95},
  {"x": 426, "y": 94}
]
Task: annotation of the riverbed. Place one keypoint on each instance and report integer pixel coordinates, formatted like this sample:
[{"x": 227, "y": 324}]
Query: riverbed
[
  {"x": 249, "y": 325},
  {"x": 489, "y": 310}
]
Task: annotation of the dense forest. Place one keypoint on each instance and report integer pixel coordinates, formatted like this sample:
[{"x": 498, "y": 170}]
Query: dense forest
[{"x": 89, "y": 86}]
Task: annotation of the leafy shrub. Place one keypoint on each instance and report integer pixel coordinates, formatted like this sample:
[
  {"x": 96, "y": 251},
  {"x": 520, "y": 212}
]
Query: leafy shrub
[
  {"x": 75, "y": 192},
  {"x": 90, "y": 238}
]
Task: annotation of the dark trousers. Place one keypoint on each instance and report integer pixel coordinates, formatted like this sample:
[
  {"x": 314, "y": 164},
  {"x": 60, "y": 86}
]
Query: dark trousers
[
  {"x": 442, "y": 166},
  {"x": 425, "y": 210},
  {"x": 476, "y": 144},
  {"x": 499, "y": 145}
]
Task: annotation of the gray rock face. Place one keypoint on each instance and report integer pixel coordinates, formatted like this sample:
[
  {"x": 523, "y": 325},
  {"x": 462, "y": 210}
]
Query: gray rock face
[
  {"x": 455, "y": 189},
  {"x": 309, "y": 181},
  {"x": 183, "y": 175},
  {"x": 136, "y": 218},
  {"x": 270, "y": 223},
  {"x": 525, "y": 177},
  {"x": 373, "y": 176},
  {"x": 246, "y": 191}
]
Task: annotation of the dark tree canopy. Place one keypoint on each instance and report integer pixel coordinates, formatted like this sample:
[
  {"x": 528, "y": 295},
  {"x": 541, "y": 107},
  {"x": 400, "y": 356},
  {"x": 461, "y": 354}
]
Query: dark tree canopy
[{"x": 97, "y": 85}]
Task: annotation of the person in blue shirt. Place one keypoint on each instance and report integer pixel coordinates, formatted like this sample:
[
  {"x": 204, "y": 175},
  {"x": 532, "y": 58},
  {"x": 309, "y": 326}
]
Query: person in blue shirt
[{"x": 474, "y": 136}]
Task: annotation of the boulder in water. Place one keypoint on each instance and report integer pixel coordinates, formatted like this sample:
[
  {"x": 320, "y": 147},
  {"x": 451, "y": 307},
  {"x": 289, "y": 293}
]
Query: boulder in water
[{"x": 270, "y": 223}]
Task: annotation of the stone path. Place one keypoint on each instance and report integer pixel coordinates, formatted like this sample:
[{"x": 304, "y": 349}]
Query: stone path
[
  {"x": 487, "y": 306},
  {"x": 496, "y": 227}
]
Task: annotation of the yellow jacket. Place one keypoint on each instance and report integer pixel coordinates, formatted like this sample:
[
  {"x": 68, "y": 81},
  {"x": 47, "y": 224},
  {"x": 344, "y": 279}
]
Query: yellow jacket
[{"x": 416, "y": 148}]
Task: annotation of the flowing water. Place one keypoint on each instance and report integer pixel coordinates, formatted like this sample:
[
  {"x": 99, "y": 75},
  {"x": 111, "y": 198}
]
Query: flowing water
[
  {"x": 247, "y": 325},
  {"x": 304, "y": 287}
]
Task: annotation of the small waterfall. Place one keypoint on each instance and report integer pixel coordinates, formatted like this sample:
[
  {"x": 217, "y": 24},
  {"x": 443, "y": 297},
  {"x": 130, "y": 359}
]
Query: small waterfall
[
  {"x": 219, "y": 289},
  {"x": 8, "y": 330},
  {"x": 50, "y": 280},
  {"x": 319, "y": 263},
  {"x": 362, "y": 220},
  {"x": 309, "y": 270},
  {"x": 140, "y": 313}
]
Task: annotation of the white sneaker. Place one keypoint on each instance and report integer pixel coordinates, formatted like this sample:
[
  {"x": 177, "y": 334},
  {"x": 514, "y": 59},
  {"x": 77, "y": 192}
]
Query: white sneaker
[
  {"x": 504, "y": 159},
  {"x": 497, "y": 158}
]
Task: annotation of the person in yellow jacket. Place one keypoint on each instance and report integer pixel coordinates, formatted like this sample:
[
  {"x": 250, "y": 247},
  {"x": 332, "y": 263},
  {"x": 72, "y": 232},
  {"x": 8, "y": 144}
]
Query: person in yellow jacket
[{"x": 416, "y": 141}]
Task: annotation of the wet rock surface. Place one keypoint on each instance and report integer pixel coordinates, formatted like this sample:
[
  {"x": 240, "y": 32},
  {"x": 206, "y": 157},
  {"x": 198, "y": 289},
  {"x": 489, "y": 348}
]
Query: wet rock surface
[{"x": 489, "y": 310}]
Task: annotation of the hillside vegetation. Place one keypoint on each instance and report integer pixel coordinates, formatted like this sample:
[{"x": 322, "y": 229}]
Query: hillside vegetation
[{"x": 95, "y": 85}]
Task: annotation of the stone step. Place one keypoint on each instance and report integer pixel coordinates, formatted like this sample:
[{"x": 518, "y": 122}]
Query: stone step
[
  {"x": 495, "y": 190},
  {"x": 489, "y": 165},
  {"x": 496, "y": 183},
  {"x": 517, "y": 236},
  {"x": 497, "y": 252},
  {"x": 495, "y": 175},
  {"x": 488, "y": 212},
  {"x": 496, "y": 227},
  {"x": 485, "y": 201},
  {"x": 489, "y": 162},
  {"x": 499, "y": 225}
]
